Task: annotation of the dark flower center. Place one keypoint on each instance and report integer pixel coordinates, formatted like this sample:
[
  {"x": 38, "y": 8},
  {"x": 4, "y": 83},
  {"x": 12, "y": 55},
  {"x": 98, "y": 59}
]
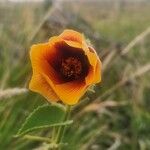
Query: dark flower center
[
  {"x": 71, "y": 68},
  {"x": 70, "y": 63}
]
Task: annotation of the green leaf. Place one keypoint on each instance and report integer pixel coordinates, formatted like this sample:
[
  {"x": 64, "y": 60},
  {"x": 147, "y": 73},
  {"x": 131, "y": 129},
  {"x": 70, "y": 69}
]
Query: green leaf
[{"x": 44, "y": 117}]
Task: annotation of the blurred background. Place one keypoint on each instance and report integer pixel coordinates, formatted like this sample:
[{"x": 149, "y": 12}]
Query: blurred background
[{"x": 115, "y": 114}]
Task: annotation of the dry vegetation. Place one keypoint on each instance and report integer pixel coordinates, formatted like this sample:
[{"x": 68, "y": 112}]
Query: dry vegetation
[{"x": 114, "y": 117}]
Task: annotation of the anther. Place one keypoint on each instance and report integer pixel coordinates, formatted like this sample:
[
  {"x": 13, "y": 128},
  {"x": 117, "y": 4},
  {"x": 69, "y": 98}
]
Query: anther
[{"x": 71, "y": 68}]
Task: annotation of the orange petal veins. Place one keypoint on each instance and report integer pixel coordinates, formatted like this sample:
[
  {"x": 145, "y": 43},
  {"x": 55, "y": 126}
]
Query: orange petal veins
[
  {"x": 71, "y": 92},
  {"x": 40, "y": 85},
  {"x": 39, "y": 55}
]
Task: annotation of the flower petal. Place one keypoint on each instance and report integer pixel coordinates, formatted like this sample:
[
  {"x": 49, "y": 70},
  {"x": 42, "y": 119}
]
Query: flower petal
[
  {"x": 72, "y": 38},
  {"x": 73, "y": 44},
  {"x": 94, "y": 75},
  {"x": 92, "y": 56},
  {"x": 40, "y": 85},
  {"x": 97, "y": 76},
  {"x": 90, "y": 77},
  {"x": 40, "y": 54},
  {"x": 71, "y": 92},
  {"x": 71, "y": 35}
]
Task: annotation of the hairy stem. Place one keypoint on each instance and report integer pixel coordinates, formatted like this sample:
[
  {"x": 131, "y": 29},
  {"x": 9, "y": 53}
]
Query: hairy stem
[
  {"x": 37, "y": 138},
  {"x": 61, "y": 130}
]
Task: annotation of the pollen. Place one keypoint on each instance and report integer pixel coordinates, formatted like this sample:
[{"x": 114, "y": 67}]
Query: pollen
[{"x": 71, "y": 68}]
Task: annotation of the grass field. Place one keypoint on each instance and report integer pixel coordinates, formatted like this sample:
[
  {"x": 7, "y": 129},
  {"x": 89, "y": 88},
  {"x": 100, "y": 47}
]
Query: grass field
[{"x": 116, "y": 115}]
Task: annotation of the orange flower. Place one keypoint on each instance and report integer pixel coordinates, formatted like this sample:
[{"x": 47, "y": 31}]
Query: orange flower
[{"x": 64, "y": 67}]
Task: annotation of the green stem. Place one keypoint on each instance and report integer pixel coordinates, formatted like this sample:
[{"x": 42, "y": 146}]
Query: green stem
[
  {"x": 37, "y": 138},
  {"x": 61, "y": 130},
  {"x": 53, "y": 133}
]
